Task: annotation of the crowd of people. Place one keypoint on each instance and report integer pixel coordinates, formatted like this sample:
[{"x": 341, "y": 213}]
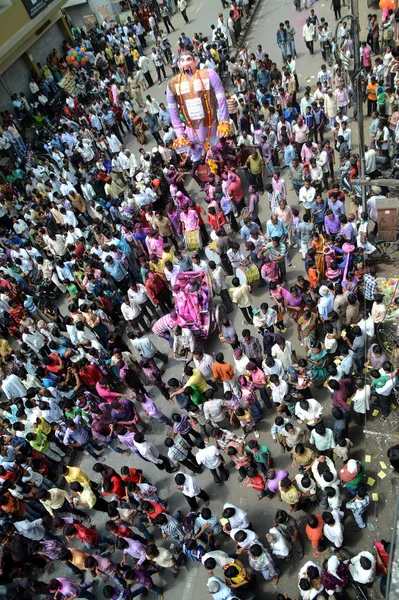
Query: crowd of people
[{"x": 102, "y": 267}]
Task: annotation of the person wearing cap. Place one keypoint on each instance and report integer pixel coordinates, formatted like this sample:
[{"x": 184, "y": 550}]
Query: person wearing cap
[
  {"x": 372, "y": 205},
  {"x": 351, "y": 476},
  {"x": 326, "y": 302},
  {"x": 219, "y": 590}
]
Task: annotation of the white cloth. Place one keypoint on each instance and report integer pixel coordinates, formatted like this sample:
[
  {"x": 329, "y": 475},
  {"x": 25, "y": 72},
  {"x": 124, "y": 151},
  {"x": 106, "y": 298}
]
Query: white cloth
[
  {"x": 190, "y": 486},
  {"x": 281, "y": 547},
  {"x": 239, "y": 519},
  {"x": 361, "y": 400},
  {"x": 356, "y": 570},
  {"x": 312, "y": 413},
  {"x": 335, "y": 532},
  {"x": 209, "y": 457},
  {"x": 249, "y": 541}
]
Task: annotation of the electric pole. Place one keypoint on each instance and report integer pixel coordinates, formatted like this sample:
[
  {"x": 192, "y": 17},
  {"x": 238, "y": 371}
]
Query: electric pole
[{"x": 357, "y": 83}]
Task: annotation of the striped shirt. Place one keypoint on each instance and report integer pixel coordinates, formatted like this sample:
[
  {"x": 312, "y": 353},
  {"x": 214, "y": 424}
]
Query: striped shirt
[
  {"x": 173, "y": 529},
  {"x": 179, "y": 450},
  {"x": 183, "y": 426},
  {"x": 232, "y": 105}
]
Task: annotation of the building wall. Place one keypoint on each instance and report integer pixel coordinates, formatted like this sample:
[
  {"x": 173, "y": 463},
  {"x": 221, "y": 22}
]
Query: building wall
[
  {"x": 43, "y": 47},
  {"x": 12, "y": 20},
  {"x": 16, "y": 78},
  {"x": 79, "y": 11},
  {"x": 97, "y": 7},
  {"x": 18, "y": 32}
]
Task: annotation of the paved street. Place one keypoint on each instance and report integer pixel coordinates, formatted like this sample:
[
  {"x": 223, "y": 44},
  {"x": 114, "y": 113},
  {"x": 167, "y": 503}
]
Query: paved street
[{"x": 377, "y": 438}]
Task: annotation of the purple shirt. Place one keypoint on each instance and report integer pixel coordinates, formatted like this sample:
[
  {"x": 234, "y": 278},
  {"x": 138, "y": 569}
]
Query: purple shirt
[
  {"x": 272, "y": 484},
  {"x": 143, "y": 577},
  {"x": 332, "y": 225},
  {"x": 135, "y": 549},
  {"x": 105, "y": 565},
  {"x": 68, "y": 588},
  {"x": 337, "y": 207},
  {"x": 151, "y": 408},
  {"x": 128, "y": 440}
]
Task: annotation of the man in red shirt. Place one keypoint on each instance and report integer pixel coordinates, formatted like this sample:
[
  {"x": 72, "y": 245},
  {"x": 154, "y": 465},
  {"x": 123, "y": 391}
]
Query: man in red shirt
[
  {"x": 115, "y": 486},
  {"x": 255, "y": 481},
  {"x": 158, "y": 291},
  {"x": 89, "y": 536}
]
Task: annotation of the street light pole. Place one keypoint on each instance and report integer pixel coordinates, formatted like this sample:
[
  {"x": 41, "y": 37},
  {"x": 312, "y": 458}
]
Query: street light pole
[{"x": 358, "y": 90}]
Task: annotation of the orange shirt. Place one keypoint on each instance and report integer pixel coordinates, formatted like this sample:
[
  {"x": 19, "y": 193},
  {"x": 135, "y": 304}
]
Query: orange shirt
[
  {"x": 14, "y": 506},
  {"x": 371, "y": 95},
  {"x": 315, "y": 535},
  {"x": 313, "y": 277},
  {"x": 222, "y": 371}
]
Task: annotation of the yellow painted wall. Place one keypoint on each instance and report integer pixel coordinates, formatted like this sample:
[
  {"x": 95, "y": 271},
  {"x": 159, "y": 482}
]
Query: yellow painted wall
[
  {"x": 12, "y": 20},
  {"x": 18, "y": 32}
]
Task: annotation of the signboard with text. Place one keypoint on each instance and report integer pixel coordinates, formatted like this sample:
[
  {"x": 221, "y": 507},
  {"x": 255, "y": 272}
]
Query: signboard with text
[{"x": 34, "y": 7}]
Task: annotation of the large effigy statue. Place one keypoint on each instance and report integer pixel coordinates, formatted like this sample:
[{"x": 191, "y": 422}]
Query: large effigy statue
[{"x": 197, "y": 94}]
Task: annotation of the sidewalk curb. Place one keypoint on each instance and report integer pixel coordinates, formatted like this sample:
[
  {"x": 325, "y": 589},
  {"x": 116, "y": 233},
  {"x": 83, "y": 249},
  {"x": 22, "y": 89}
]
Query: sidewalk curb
[{"x": 245, "y": 30}]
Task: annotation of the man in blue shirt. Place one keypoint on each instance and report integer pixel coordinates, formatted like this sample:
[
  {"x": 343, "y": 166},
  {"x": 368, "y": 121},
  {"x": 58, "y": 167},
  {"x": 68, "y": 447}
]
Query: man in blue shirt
[
  {"x": 263, "y": 77},
  {"x": 326, "y": 302},
  {"x": 275, "y": 228},
  {"x": 164, "y": 116},
  {"x": 319, "y": 207},
  {"x": 282, "y": 40},
  {"x": 118, "y": 273}
]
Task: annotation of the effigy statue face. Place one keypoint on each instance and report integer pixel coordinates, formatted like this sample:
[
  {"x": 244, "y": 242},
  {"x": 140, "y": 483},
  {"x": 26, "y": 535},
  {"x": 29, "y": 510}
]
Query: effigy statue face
[{"x": 187, "y": 63}]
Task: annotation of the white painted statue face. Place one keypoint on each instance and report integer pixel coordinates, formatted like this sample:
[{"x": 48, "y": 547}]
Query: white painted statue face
[{"x": 187, "y": 64}]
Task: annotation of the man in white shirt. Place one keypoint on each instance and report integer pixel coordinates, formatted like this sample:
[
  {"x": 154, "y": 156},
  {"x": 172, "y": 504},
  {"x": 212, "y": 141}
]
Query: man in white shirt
[
  {"x": 137, "y": 293},
  {"x": 183, "y": 341},
  {"x": 309, "y": 34},
  {"x": 362, "y": 568},
  {"x": 191, "y": 490},
  {"x": 237, "y": 518},
  {"x": 361, "y": 400},
  {"x": 279, "y": 389},
  {"x": 215, "y": 558},
  {"x": 144, "y": 66},
  {"x": 309, "y": 573},
  {"x": 346, "y": 133},
  {"x": 307, "y": 194},
  {"x": 13, "y": 387},
  {"x": 244, "y": 538},
  {"x": 272, "y": 366},
  {"x": 132, "y": 313},
  {"x": 333, "y": 528},
  {"x": 245, "y": 139},
  {"x": 203, "y": 362},
  {"x": 209, "y": 456},
  {"x": 171, "y": 272},
  {"x": 36, "y": 341},
  {"x": 215, "y": 410},
  {"x": 370, "y": 158},
  {"x": 309, "y": 411}
]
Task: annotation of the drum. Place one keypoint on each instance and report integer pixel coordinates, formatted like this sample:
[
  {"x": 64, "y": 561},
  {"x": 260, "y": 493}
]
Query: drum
[
  {"x": 212, "y": 255},
  {"x": 247, "y": 274}
]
